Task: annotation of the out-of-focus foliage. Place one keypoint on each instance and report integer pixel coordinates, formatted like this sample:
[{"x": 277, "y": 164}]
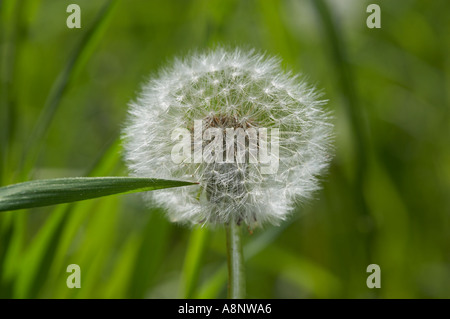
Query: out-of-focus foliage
[{"x": 63, "y": 101}]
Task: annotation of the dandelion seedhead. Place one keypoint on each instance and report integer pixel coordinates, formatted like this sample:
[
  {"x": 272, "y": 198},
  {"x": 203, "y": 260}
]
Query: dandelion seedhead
[{"x": 254, "y": 137}]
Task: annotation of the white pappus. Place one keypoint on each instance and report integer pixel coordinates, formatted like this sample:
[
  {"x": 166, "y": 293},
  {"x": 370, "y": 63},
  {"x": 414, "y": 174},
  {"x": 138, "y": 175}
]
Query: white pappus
[{"x": 229, "y": 89}]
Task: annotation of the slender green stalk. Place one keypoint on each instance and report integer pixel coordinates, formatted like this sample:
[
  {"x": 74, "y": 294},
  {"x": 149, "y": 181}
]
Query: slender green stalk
[{"x": 236, "y": 271}]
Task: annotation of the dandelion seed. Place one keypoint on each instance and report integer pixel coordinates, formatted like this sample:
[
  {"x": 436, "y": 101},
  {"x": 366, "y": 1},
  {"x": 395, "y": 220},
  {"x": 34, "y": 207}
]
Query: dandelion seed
[{"x": 222, "y": 90}]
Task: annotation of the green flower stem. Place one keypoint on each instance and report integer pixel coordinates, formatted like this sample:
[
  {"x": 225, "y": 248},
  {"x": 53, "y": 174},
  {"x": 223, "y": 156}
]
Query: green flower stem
[{"x": 236, "y": 271}]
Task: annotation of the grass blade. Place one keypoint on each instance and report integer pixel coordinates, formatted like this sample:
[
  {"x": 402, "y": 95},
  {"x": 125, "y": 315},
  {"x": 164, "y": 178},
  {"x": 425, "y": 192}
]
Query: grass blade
[
  {"x": 43, "y": 269},
  {"x": 151, "y": 257},
  {"x": 65, "y": 190},
  {"x": 356, "y": 114},
  {"x": 192, "y": 263},
  {"x": 75, "y": 61}
]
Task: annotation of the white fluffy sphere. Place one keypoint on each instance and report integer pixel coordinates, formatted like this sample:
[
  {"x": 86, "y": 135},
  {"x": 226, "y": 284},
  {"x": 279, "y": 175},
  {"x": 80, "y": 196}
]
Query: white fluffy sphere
[{"x": 229, "y": 89}]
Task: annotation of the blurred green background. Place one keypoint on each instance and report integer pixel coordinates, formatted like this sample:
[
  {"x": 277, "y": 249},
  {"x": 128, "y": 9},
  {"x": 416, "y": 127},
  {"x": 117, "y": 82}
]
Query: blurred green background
[{"x": 385, "y": 200}]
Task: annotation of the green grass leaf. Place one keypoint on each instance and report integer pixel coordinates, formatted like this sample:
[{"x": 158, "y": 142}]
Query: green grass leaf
[
  {"x": 65, "y": 190},
  {"x": 77, "y": 59},
  {"x": 193, "y": 261}
]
